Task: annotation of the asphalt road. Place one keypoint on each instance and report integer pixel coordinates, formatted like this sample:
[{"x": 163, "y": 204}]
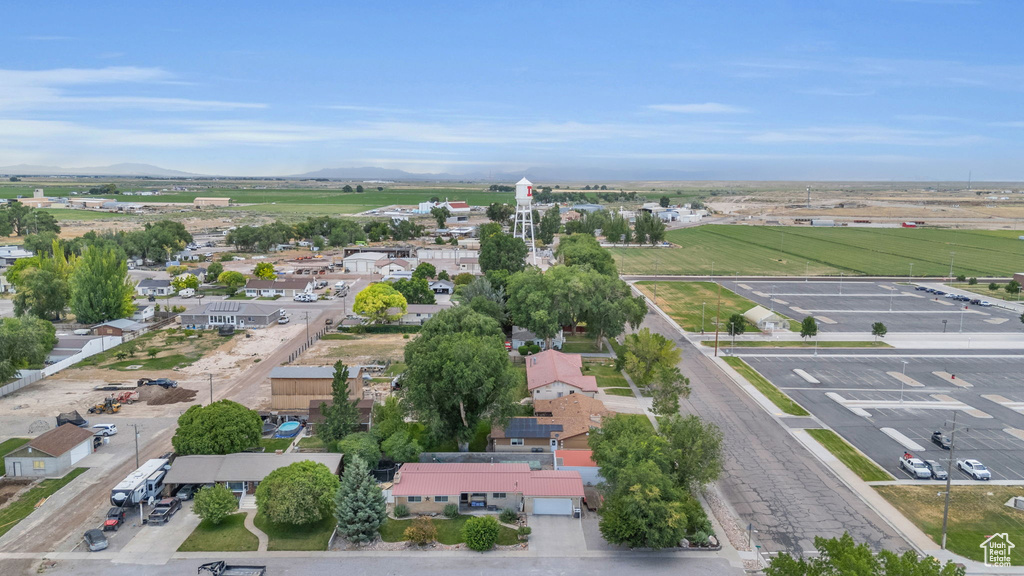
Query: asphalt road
[{"x": 771, "y": 480}]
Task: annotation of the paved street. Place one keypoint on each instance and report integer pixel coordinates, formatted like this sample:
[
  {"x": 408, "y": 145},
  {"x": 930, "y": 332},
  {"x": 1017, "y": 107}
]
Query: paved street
[{"x": 769, "y": 478}]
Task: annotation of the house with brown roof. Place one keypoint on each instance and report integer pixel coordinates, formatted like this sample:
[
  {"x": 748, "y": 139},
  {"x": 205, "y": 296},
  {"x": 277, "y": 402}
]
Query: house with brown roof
[
  {"x": 52, "y": 454},
  {"x": 558, "y": 424},
  {"x": 426, "y": 488},
  {"x": 553, "y": 374}
]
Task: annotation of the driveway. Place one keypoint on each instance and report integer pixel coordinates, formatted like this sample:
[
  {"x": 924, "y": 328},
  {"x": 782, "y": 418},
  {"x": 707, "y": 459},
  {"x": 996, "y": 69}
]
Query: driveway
[
  {"x": 557, "y": 536},
  {"x": 156, "y": 544}
]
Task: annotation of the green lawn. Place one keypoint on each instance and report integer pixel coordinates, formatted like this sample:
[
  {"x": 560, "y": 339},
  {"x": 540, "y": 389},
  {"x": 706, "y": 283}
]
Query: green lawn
[
  {"x": 579, "y": 345},
  {"x": 159, "y": 363},
  {"x": 682, "y": 301},
  {"x": 725, "y": 342},
  {"x": 619, "y": 391},
  {"x": 230, "y": 535},
  {"x": 271, "y": 445},
  {"x": 642, "y": 419},
  {"x": 847, "y": 454},
  {"x": 336, "y": 336},
  {"x": 798, "y": 250},
  {"x": 785, "y": 403},
  {"x": 449, "y": 531},
  {"x": 607, "y": 375},
  {"x": 975, "y": 513},
  {"x": 312, "y": 443},
  {"x": 290, "y": 537},
  {"x": 19, "y": 509},
  {"x": 479, "y": 441},
  {"x": 8, "y": 446},
  {"x": 395, "y": 368},
  {"x": 985, "y": 294}
]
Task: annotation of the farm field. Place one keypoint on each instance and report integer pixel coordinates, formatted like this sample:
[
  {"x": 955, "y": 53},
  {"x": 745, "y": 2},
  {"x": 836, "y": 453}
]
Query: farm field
[{"x": 796, "y": 251}]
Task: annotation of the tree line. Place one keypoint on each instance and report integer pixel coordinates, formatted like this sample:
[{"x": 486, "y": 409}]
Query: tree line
[{"x": 21, "y": 220}]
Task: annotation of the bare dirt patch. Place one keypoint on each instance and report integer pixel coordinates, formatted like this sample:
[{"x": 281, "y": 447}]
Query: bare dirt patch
[
  {"x": 158, "y": 396},
  {"x": 362, "y": 349}
]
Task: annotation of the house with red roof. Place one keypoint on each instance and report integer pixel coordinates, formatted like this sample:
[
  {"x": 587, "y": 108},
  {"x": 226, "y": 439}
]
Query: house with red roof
[
  {"x": 581, "y": 461},
  {"x": 426, "y": 488},
  {"x": 553, "y": 374}
]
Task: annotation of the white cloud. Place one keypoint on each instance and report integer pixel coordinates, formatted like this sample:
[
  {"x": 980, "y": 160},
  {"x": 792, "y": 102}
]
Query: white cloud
[
  {"x": 705, "y": 108},
  {"x": 863, "y": 135}
]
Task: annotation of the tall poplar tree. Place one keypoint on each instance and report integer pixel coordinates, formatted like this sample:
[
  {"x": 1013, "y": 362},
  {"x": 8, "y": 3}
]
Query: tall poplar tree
[{"x": 100, "y": 287}]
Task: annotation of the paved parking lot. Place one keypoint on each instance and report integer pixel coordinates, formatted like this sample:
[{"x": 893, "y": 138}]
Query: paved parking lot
[
  {"x": 853, "y": 306},
  {"x": 913, "y": 394}
]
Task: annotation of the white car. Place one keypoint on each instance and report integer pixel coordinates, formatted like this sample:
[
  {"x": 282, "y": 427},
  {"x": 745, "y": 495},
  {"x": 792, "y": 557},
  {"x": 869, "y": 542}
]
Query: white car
[
  {"x": 283, "y": 320},
  {"x": 974, "y": 469},
  {"x": 915, "y": 467},
  {"x": 986, "y": 303},
  {"x": 105, "y": 429}
]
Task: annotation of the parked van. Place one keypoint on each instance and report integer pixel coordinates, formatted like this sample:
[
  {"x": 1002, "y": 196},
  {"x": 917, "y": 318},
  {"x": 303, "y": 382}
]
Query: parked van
[
  {"x": 187, "y": 292},
  {"x": 339, "y": 285}
]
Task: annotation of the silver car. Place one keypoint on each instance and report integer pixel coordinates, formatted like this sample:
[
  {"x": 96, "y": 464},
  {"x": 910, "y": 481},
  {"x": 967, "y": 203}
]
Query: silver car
[
  {"x": 938, "y": 471},
  {"x": 95, "y": 540}
]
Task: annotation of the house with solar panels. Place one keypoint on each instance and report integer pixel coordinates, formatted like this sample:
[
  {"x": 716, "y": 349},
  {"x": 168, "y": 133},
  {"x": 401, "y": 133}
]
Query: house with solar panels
[{"x": 559, "y": 424}]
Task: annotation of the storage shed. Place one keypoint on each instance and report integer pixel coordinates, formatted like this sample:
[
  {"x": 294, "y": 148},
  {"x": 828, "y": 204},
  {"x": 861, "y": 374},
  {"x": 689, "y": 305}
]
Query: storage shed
[
  {"x": 294, "y": 387},
  {"x": 52, "y": 454}
]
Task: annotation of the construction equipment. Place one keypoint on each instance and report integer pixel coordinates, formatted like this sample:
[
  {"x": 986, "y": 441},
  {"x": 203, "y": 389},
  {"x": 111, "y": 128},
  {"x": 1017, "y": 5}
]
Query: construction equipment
[
  {"x": 126, "y": 397},
  {"x": 109, "y": 406}
]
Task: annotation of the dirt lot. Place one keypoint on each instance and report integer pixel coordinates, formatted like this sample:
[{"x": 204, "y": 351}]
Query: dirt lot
[{"x": 361, "y": 349}]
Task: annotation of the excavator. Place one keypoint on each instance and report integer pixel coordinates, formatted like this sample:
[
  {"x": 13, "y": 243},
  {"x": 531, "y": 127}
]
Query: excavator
[{"x": 109, "y": 406}]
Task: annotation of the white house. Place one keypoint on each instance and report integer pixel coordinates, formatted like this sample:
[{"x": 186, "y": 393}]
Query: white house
[
  {"x": 287, "y": 287},
  {"x": 363, "y": 262},
  {"x": 420, "y": 313},
  {"x": 442, "y": 286},
  {"x": 144, "y": 312},
  {"x": 151, "y": 287},
  {"x": 521, "y": 336}
]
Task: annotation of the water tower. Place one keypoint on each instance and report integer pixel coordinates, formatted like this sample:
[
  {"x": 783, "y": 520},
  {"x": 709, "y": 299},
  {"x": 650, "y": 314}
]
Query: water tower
[{"x": 524, "y": 215}]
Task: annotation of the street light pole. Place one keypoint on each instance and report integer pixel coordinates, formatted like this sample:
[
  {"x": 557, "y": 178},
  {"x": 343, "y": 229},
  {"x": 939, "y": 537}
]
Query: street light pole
[
  {"x": 702, "y": 317},
  {"x": 807, "y": 267},
  {"x": 891, "y": 294},
  {"x": 951, "y": 255},
  {"x": 136, "y": 427},
  {"x": 772, "y": 301},
  {"x": 911, "y": 277},
  {"x": 949, "y": 476},
  {"x": 840, "y": 283},
  {"x": 944, "y": 326},
  {"x": 962, "y": 309}
]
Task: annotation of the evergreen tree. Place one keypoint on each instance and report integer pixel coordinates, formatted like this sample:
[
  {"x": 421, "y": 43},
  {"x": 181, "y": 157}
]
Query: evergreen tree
[
  {"x": 100, "y": 287},
  {"x": 359, "y": 505},
  {"x": 341, "y": 418}
]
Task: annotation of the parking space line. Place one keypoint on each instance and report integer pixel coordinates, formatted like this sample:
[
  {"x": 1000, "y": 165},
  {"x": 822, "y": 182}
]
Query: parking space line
[{"x": 905, "y": 379}]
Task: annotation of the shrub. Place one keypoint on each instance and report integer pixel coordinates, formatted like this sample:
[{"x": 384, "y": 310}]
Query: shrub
[
  {"x": 524, "y": 532},
  {"x": 961, "y": 278},
  {"x": 481, "y": 532},
  {"x": 451, "y": 510},
  {"x": 405, "y": 336},
  {"x": 524, "y": 350},
  {"x": 972, "y": 281},
  {"x": 422, "y": 531},
  {"x": 215, "y": 503},
  {"x": 700, "y": 538},
  {"x": 534, "y": 349},
  {"x": 401, "y": 511},
  {"x": 152, "y": 352},
  {"x": 508, "y": 516},
  {"x": 993, "y": 286}
]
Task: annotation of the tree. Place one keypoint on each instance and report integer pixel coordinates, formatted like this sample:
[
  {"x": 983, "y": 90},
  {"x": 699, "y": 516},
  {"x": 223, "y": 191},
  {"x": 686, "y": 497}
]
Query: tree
[
  {"x": 840, "y": 556},
  {"x": 223, "y": 427},
  {"x": 1012, "y": 287},
  {"x": 215, "y": 503},
  {"x": 648, "y": 228},
  {"x": 502, "y": 255},
  {"x": 213, "y": 270},
  {"x": 533, "y": 304},
  {"x": 500, "y": 212},
  {"x": 233, "y": 280},
  {"x": 645, "y": 511},
  {"x": 549, "y": 225},
  {"x": 415, "y": 291},
  {"x": 878, "y": 329},
  {"x": 388, "y": 418},
  {"x": 185, "y": 281},
  {"x": 481, "y": 533},
  {"x": 808, "y": 327},
  {"x": 100, "y": 287},
  {"x": 972, "y": 282},
  {"x": 300, "y": 493},
  {"x": 664, "y": 201},
  {"x": 622, "y": 443},
  {"x": 737, "y": 324},
  {"x": 667, "y": 386},
  {"x": 695, "y": 447},
  {"x": 347, "y": 188},
  {"x": 341, "y": 418},
  {"x": 463, "y": 278},
  {"x": 264, "y": 271},
  {"x": 648, "y": 352},
  {"x": 359, "y": 505},
  {"x": 992, "y": 286},
  {"x": 401, "y": 447},
  {"x": 24, "y": 342},
  {"x": 443, "y": 275},
  {"x": 43, "y": 283},
  {"x": 424, "y": 270},
  {"x": 458, "y": 374},
  {"x": 421, "y": 532},
  {"x": 362, "y": 445},
  {"x": 380, "y": 302},
  {"x": 24, "y": 220},
  {"x": 440, "y": 214},
  {"x": 580, "y": 249},
  {"x": 359, "y": 189},
  {"x": 176, "y": 270}
]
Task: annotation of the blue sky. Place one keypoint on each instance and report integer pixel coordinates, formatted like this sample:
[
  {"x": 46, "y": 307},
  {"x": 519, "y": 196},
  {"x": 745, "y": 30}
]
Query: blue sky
[{"x": 823, "y": 89}]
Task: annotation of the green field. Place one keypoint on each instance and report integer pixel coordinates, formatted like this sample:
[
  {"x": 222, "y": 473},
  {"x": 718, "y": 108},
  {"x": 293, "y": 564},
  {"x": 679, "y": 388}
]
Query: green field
[
  {"x": 797, "y": 250},
  {"x": 975, "y": 513},
  {"x": 860, "y": 464},
  {"x": 783, "y": 402},
  {"x": 306, "y": 537},
  {"x": 682, "y": 301},
  {"x": 230, "y": 535}
]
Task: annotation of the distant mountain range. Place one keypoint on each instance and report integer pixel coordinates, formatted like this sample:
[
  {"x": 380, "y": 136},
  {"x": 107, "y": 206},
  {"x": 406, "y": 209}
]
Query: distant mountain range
[{"x": 377, "y": 173}]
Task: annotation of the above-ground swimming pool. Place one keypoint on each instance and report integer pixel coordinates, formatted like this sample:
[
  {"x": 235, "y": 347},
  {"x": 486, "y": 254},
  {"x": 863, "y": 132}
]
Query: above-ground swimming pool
[{"x": 288, "y": 430}]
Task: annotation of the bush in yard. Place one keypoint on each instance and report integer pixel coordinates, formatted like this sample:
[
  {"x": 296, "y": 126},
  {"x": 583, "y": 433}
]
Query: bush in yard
[
  {"x": 215, "y": 503},
  {"x": 359, "y": 507},
  {"x": 451, "y": 510},
  {"x": 401, "y": 511},
  {"x": 523, "y": 350},
  {"x": 422, "y": 531},
  {"x": 993, "y": 286},
  {"x": 363, "y": 445},
  {"x": 300, "y": 493},
  {"x": 534, "y": 349},
  {"x": 961, "y": 278},
  {"x": 700, "y": 538},
  {"x": 481, "y": 532},
  {"x": 524, "y": 532},
  {"x": 223, "y": 427},
  {"x": 508, "y": 516}
]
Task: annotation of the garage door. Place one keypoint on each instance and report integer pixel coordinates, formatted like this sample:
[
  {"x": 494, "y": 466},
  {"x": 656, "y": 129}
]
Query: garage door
[
  {"x": 80, "y": 451},
  {"x": 556, "y": 506}
]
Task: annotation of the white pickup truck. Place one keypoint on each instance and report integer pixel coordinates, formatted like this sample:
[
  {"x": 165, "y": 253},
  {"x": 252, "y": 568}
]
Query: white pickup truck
[{"x": 915, "y": 466}]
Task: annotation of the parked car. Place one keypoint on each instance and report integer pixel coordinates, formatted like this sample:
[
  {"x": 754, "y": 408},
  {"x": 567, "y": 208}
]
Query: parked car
[
  {"x": 95, "y": 540},
  {"x": 921, "y": 288},
  {"x": 105, "y": 429},
  {"x": 283, "y": 320},
  {"x": 187, "y": 492},
  {"x": 952, "y": 296},
  {"x": 82, "y": 332},
  {"x": 115, "y": 518},
  {"x": 985, "y": 303},
  {"x": 163, "y": 511},
  {"x": 940, "y": 440},
  {"x": 976, "y": 301},
  {"x": 164, "y": 382},
  {"x": 914, "y": 466},
  {"x": 974, "y": 469},
  {"x": 938, "y": 471}
]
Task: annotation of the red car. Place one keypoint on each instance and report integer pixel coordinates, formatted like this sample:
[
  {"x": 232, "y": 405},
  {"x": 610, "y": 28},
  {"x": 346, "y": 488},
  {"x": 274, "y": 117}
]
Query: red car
[{"x": 115, "y": 518}]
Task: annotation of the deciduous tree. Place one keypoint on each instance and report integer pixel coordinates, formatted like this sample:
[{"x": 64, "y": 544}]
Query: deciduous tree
[
  {"x": 264, "y": 271},
  {"x": 840, "y": 556},
  {"x": 233, "y": 280},
  {"x": 185, "y": 281},
  {"x": 300, "y": 493},
  {"x": 222, "y": 427},
  {"x": 24, "y": 342},
  {"x": 359, "y": 506},
  {"x": 440, "y": 214},
  {"x": 648, "y": 352},
  {"x": 415, "y": 291},
  {"x": 645, "y": 510},
  {"x": 380, "y": 302},
  {"x": 878, "y": 330},
  {"x": 215, "y": 503},
  {"x": 401, "y": 447},
  {"x": 696, "y": 450},
  {"x": 549, "y": 225},
  {"x": 100, "y": 287},
  {"x": 580, "y": 249},
  {"x": 737, "y": 324},
  {"x": 213, "y": 270},
  {"x": 808, "y": 327},
  {"x": 424, "y": 270}
]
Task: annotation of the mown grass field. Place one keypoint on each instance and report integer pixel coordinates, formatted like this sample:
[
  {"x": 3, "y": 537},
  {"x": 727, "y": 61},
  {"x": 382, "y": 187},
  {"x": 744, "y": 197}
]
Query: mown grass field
[
  {"x": 682, "y": 301},
  {"x": 230, "y": 535},
  {"x": 796, "y": 251},
  {"x": 860, "y": 464},
  {"x": 313, "y": 536},
  {"x": 783, "y": 402},
  {"x": 975, "y": 513}
]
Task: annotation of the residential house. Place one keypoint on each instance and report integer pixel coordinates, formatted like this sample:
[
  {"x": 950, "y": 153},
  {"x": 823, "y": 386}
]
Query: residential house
[
  {"x": 294, "y": 387},
  {"x": 765, "y": 319},
  {"x": 570, "y": 216},
  {"x": 363, "y": 262},
  {"x": 557, "y": 424},
  {"x": 122, "y": 327},
  {"x": 552, "y": 374},
  {"x": 144, "y": 312},
  {"x": 153, "y": 287},
  {"x": 426, "y": 488},
  {"x": 420, "y": 313},
  {"x": 52, "y": 454},
  {"x": 582, "y": 462},
  {"x": 240, "y": 472},
  {"x": 230, "y": 313},
  {"x": 8, "y": 256},
  {"x": 287, "y": 287},
  {"x": 442, "y": 286},
  {"x": 522, "y": 336}
]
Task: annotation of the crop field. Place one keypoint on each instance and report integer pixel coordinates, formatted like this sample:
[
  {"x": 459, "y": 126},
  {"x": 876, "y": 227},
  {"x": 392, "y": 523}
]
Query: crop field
[{"x": 796, "y": 251}]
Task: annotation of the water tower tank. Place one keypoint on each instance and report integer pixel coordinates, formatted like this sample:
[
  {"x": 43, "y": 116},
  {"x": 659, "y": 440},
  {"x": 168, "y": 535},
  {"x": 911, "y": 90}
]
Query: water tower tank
[{"x": 524, "y": 192}]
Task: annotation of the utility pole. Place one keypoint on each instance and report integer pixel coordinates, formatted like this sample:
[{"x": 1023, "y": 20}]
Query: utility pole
[
  {"x": 702, "y": 317},
  {"x": 951, "y": 255},
  {"x": 211, "y": 388},
  {"x": 910, "y": 278},
  {"x": 718, "y": 316},
  {"x": 136, "y": 427},
  {"x": 305, "y": 316},
  {"x": 949, "y": 477},
  {"x": 808, "y": 196}
]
